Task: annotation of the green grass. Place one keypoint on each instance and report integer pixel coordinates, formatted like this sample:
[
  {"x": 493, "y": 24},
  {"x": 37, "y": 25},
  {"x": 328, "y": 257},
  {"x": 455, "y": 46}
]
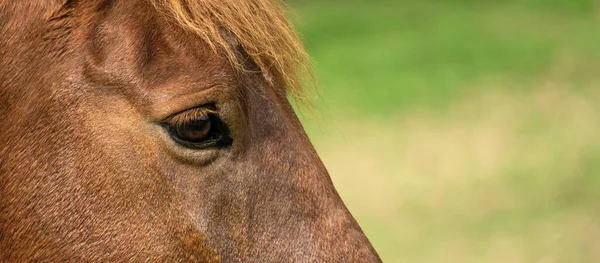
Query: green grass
[
  {"x": 386, "y": 56},
  {"x": 462, "y": 130}
]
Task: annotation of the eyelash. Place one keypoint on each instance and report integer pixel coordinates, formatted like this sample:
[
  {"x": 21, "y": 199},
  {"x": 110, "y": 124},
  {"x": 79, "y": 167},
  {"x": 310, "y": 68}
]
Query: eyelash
[{"x": 189, "y": 116}]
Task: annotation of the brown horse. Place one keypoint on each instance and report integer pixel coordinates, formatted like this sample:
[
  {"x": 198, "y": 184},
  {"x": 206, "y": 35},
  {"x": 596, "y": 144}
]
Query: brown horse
[{"x": 160, "y": 131}]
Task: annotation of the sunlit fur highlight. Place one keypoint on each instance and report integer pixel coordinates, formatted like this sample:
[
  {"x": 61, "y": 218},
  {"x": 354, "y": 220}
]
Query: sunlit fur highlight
[{"x": 259, "y": 26}]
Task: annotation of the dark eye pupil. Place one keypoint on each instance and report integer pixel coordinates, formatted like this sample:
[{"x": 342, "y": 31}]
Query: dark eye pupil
[{"x": 195, "y": 130}]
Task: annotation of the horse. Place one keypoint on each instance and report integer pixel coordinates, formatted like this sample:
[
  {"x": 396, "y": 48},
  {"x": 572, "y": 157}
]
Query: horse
[{"x": 161, "y": 131}]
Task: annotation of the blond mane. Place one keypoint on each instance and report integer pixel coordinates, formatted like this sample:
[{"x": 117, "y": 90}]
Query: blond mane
[{"x": 259, "y": 26}]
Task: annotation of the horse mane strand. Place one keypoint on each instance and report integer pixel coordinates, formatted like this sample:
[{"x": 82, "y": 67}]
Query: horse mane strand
[{"x": 261, "y": 29}]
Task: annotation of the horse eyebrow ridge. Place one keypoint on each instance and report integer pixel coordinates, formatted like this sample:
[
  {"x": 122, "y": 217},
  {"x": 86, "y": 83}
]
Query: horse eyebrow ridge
[{"x": 261, "y": 29}]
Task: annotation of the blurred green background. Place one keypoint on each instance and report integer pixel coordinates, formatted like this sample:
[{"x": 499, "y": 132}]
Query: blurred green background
[{"x": 461, "y": 130}]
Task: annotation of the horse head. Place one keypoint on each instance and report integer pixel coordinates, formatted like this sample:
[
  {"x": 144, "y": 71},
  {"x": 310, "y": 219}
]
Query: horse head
[{"x": 160, "y": 131}]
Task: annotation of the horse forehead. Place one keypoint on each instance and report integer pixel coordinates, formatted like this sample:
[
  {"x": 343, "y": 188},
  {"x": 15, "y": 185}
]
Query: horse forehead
[
  {"x": 144, "y": 29},
  {"x": 151, "y": 48}
]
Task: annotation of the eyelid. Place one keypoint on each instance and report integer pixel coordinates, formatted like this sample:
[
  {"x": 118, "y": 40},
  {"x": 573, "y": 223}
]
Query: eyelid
[
  {"x": 190, "y": 115},
  {"x": 165, "y": 106}
]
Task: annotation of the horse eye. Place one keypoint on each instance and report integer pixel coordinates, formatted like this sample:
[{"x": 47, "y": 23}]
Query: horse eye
[{"x": 197, "y": 128}]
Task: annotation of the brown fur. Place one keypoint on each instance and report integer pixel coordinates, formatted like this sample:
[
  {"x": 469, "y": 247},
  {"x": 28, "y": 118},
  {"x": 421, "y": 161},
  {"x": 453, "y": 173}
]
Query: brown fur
[{"x": 88, "y": 174}]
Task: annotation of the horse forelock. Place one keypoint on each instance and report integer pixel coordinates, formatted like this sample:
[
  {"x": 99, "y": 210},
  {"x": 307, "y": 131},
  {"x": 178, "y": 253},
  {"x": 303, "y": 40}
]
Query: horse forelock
[{"x": 259, "y": 27}]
